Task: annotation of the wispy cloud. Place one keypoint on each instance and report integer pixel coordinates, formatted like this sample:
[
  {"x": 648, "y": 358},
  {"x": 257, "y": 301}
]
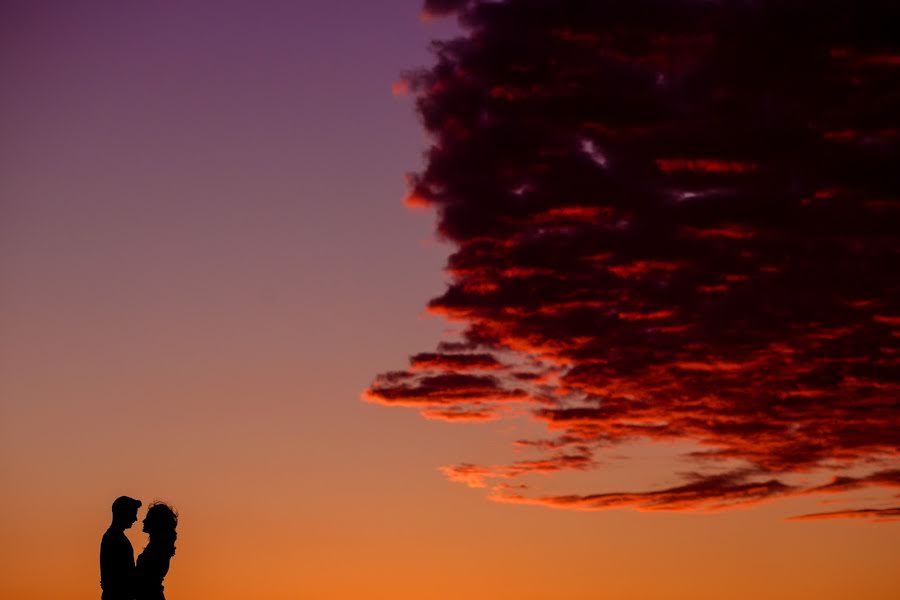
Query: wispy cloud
[{"x": 875, "y": 514}]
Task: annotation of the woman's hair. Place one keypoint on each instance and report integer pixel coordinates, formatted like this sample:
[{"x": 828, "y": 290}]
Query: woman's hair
[{"x": 160, "y": 524}]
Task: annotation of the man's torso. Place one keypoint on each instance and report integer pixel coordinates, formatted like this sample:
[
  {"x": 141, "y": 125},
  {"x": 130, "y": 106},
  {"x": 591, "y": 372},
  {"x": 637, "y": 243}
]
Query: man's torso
[{"x": 116, "y": 566}]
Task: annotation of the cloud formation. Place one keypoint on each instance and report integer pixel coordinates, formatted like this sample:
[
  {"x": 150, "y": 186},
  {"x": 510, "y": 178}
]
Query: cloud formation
[{"x": 676, "y": 221}]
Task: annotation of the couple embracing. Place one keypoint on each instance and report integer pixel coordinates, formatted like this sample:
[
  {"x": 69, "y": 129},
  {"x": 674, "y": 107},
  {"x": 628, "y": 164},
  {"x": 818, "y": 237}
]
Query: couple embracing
[{"x": 120, "y": 578}]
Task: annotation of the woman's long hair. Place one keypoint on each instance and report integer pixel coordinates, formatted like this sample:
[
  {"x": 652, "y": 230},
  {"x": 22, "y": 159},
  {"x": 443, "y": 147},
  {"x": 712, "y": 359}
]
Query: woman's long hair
[{"x": 160, "y": 524}]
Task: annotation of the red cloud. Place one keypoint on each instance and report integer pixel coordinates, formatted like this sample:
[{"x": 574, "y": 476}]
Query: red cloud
[
  {"x": 477, "y": 476},
  {"x": 456, "y": 414},
  {"x": 675, "y": 221}
]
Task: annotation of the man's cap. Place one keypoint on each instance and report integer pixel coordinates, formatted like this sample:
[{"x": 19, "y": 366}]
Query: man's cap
[{"x": 123, "y": 503}]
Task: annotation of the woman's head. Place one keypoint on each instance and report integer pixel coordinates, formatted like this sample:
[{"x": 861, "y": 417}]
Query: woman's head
[{"x": 160, "y": 524}]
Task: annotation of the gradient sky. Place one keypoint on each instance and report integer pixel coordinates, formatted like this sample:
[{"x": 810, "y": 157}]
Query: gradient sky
[{"x": 205, "y": 259}]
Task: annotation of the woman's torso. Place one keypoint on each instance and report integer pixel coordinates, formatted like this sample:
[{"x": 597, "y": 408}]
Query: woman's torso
[{"x": 150, "y": 570}]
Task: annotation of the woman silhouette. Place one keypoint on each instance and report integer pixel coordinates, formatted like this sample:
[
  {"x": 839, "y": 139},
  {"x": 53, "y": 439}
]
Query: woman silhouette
[{"x": 153, "y": 562}]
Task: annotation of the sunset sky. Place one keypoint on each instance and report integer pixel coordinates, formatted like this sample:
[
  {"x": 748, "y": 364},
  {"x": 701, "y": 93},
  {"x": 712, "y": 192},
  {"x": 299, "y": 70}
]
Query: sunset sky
[{"x": 597, "y": 301}]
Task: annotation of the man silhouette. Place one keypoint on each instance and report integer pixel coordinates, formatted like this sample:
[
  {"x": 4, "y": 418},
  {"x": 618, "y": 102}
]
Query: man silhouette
[{"x": 116, "y": 553}]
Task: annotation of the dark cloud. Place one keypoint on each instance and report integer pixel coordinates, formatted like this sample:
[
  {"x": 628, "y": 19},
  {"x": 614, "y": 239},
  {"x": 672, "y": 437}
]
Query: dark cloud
[
  {"x": 887, "y": 478},
  {"x": 707, "y": 492},
  {"x": 457, "y": 362},
  {"x": 444, "y": 7},
  {"x": 408, "y": 389},
  {"x": 874, "y": 514},
  {"x": 682, "y": 219}
]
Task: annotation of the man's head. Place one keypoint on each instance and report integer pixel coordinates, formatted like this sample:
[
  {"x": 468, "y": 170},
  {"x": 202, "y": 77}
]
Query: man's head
[{"x": 124, "y": 510}]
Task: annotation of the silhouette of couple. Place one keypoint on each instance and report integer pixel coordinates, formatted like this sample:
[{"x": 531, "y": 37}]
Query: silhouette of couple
[{"x": 120, "y": 578}]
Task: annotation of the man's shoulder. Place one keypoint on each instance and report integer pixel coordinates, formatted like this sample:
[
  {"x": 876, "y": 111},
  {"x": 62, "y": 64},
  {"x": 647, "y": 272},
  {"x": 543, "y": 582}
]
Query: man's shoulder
[{"x": 115, "y": 538}]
